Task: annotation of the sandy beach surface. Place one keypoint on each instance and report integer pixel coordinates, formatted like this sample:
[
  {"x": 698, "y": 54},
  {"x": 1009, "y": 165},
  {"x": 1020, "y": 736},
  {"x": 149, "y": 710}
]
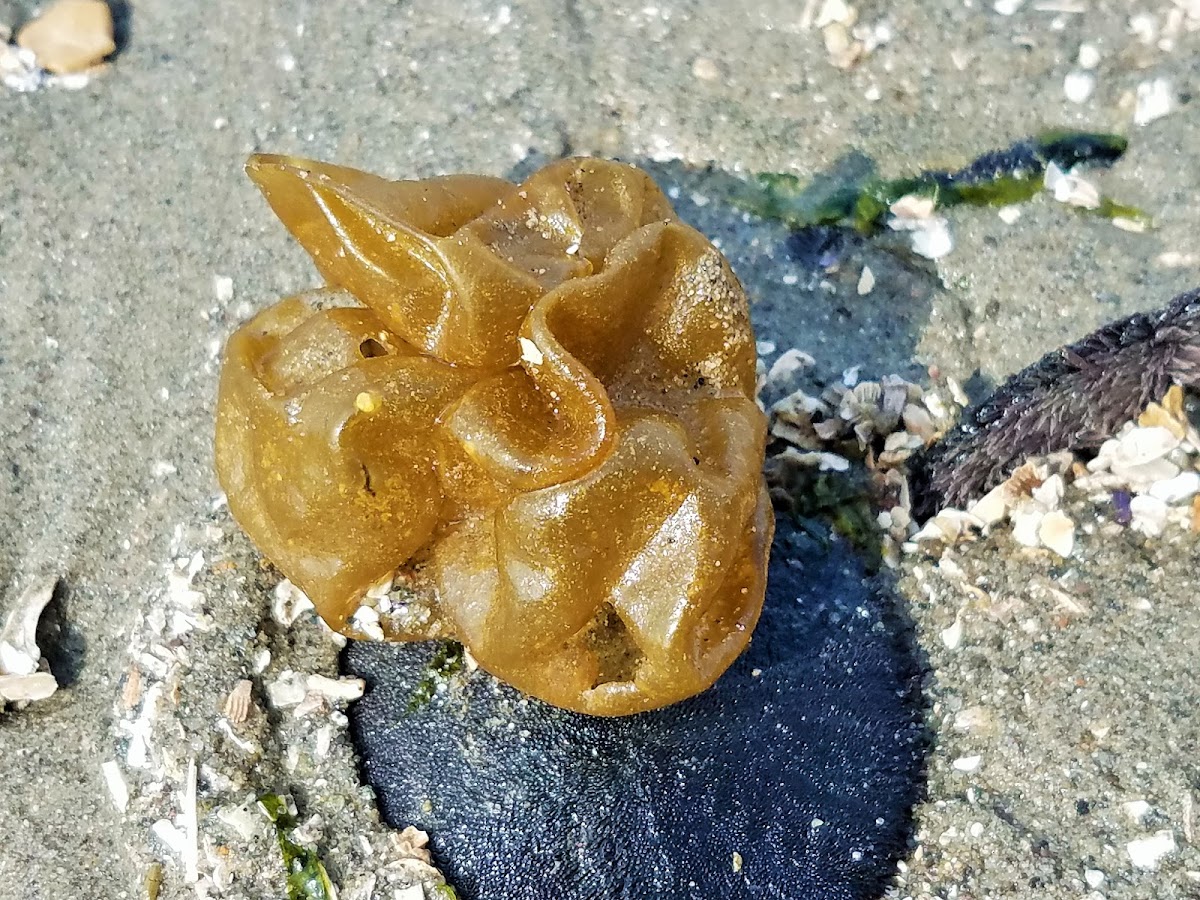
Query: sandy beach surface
[{"x": 1066, "y": 734}]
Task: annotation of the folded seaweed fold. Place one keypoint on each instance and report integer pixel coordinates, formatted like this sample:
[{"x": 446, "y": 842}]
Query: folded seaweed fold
[{"x": 542, "y": 414}]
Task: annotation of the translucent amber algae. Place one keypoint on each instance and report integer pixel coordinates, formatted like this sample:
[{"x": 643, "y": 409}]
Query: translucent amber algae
[{"x": 542, "y": 414}]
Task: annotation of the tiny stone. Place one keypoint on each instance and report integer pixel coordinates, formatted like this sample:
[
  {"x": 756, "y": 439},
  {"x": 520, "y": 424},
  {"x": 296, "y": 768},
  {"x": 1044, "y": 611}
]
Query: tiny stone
[
  {"x": 866, "y": 281},
  {"x": 1137, "y": 810},
  {"x": 1027, "y": 523},
  {"x": 530, "y": 352},
  {"x": 223, "y": 288},
  {"x": 1009, "y": 214},
  {"x": 973, "y": 718},
  {"x": 1155, "y": 99},
  {"x": 1094, "y": 878},
  {"x": 705, "y": 69},
  {"x": 1078, "y": 86},
  {"x": 1057, "y": 533},
  {"x": 366, "y": 620},
  {"x": 323, "y": 741},
  {"x": 411, "y": 843},
  {"x": 287, "y": 690},
  {"x": 1050, "y": 492},
  {"x": 262, "y": 659},
  {"x": 1089, "y": 56},
  {"x": 1147, "y": 853},
  {"x": 992, "y": 507},
  {"x": 70, "y": 36},
  {"x": 288, "y": 603},
  {"x": 1173, "y": 490},
  {"x": 834, "y": 12},
  {"x": 912, "y": 206},
  {"x": 967, "y": 763},
  {"x": 934, "y": 240},
  {"x": 1149, "y": 515},
  {"x": 952, "y": 636}
]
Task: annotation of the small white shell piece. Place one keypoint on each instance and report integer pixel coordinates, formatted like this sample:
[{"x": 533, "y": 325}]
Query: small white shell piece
[{"x": 20, "y": 658}]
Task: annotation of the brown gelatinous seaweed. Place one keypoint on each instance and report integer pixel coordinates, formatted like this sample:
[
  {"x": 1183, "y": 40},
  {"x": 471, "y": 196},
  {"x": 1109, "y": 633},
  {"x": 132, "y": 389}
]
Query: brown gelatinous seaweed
[
  {"x": 1072, "y": 399},
  {"x": 542, "y": 414}
]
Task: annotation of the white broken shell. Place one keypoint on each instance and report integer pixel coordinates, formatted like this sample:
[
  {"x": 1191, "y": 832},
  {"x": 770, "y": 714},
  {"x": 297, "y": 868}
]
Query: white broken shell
[
  {"x": 19, "y": 653},
  {"x": 27, "y": 688},
  {"x": 20, "y": 657}
]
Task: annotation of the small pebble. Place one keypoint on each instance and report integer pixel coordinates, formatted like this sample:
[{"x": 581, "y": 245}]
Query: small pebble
[
  {"x": 866, "y": 281},
  {"x": 834, "y": 12},
  {"x": 1009, "y": 214},
  {"x": 1173, "y": 490},
  {"x": 705, "y": 69},
  {"x": 288, "y": 603},
  {"x": 336, "y": 689},
  {"x": 1147, "y": 853},
  {"x": 287, "y": 690},
  {"x": 117, "y": 788},
  {"x": 967, "y": 763},
  {"x": 1155, "y": 99},
  {"x": 933, "y": 241},
  {"x": 1078, "y": 86},
  {"x": 1089, "y": 56},
  {"x": 1149, "y": 515},
  {"x": 70, "y": 36},
  {"x": 223, "y": 288},
  {"x": 1137, "y": 810}
]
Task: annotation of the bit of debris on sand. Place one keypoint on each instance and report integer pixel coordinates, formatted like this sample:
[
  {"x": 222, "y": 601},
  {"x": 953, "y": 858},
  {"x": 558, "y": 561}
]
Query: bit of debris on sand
[
  {"x": 24, "y": 675},
  {"x": 214, "y": 715},
  {"x": 62, "y": 47},
  {"x": 70, "y": 36}
]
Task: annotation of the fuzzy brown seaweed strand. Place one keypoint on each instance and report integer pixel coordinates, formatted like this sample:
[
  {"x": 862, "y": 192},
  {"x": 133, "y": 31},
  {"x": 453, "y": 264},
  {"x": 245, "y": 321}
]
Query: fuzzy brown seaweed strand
[{"x": 1072, "y": 399}]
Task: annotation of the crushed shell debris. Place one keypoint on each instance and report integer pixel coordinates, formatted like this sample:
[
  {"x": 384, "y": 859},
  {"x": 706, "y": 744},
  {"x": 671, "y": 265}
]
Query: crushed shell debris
[
  {"x": 194, "y": 778},
  {"x": 1155, "y": 461}
]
